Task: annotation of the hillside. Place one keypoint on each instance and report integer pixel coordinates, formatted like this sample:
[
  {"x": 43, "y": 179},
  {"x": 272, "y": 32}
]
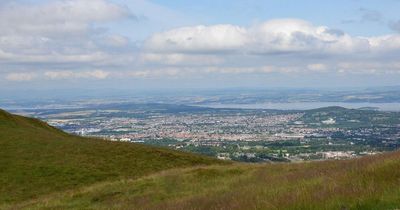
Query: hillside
[
  {"x": 44, "y": 168},
  {"x": 350, "y": 118},
  {"x": 366, "y": 183},
  {"x": 37, "y": 159}
]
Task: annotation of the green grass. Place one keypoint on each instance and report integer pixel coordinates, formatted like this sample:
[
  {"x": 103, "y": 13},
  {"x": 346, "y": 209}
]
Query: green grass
[
  {"x": 37, "y": 159},
  {"x": 366, "y": 183}
]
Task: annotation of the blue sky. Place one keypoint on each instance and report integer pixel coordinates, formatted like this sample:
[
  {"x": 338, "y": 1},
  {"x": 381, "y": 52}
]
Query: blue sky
[
  {"x": 353, "y": 16},
  {"x": 143, "y": 44},
  {"x": 331, "y": 13}
]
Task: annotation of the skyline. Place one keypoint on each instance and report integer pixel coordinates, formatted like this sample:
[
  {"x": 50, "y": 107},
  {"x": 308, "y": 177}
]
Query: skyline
[{"x": 140, "y": 44}]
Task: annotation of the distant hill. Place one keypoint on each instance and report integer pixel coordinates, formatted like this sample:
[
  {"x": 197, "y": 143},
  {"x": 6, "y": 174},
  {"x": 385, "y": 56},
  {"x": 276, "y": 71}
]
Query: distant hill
[
  {"x": 44, "y": 168},
  {"x": 37, "y": 159},
  {"x": 343, "y": 117}
]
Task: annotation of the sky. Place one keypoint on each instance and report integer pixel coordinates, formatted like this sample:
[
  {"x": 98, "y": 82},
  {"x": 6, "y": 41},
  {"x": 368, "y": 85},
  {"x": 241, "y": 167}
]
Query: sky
[{"x": 157, "y": 44}]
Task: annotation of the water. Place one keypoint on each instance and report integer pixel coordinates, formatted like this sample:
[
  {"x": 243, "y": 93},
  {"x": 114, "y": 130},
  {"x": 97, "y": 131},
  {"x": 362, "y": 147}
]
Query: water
[{"x": 308, "y": 105}]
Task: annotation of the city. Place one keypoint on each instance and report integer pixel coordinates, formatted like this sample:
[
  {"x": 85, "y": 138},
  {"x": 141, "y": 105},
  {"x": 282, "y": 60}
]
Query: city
[{"x": 250, "y": 135}]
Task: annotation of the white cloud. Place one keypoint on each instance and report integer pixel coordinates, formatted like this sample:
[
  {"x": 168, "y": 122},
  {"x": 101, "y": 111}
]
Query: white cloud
[
  {"x": 279, "y": 45},
  {"x": 181, "y": 59},
  {"x": 160, "y": 73},
  {"x": 96, "y": 74},
  {"x": 254, "y": 69},
  {"x": 286, "y": 35},
  {"x": 216, "y": 38},
  {"x": 55, "y": 57},
  {"x": 271, "y": 37},
  {"x": 183, "y": 72},
  {"x": 62, "y": 33},
  {"x": 57, "y": 17},
  {"x": 369, "y": 67},
  {"x": 317, "y": 67},
  {"x": 19, "y": 77},
  {"x": 385, "y": 44},
  {"x": 59, "y": 74}
]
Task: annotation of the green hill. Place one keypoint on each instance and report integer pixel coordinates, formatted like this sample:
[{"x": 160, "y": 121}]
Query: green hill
[
  {"x": 350, "y": 118},
  {"x": 43, "y": 168},
  {"x": 37, "y": 159}
]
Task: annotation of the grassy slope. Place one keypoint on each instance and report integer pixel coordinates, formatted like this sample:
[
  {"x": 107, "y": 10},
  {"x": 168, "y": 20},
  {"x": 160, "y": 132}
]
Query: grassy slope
[
  {"x": 37, "y": 159},
  {"x": 366, "y": 183}
]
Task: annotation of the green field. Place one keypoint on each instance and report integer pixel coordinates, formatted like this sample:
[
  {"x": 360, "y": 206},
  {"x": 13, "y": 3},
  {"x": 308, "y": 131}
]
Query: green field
[{"x": 44, "y": 168}]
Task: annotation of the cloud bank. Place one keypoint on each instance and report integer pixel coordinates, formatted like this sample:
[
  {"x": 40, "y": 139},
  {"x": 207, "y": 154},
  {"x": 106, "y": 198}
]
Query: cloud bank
[
  {"x": 60, "y": 32},
  {"x": 71, "y": 40},
  {"x": 280, "y": 36}
]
